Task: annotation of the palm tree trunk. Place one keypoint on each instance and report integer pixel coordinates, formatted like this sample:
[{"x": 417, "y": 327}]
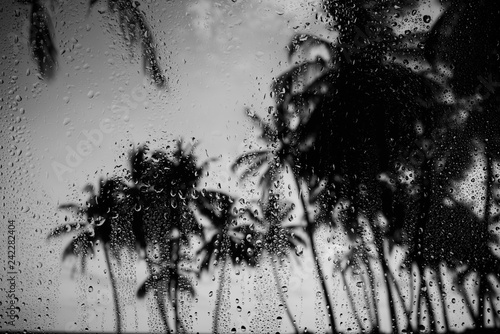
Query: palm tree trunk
[
  {"x": 424, "y": 292},
  {"x": 481, "y": 316},
  {"x": 401, "y": 300},
  {"x": 430, "y": 308},
  {"x": 495, "y": 313},
  {"x": 115, "y": 291},
  {"x": 310, "y": 234},
  {"x": 371, "y": 279},
  {"x": 423, "y": 220},
  {"x": 351, "y": 301},
  {"x": 385, "y": 270},
  {"x": 160, "y": 302},
  {"x": 178, "y": 324},
  {"x": 218, "y": 298},
  {"x": 443, "y": 300},
  {"x": 179, "y": 327},
  {"x": 419, "y": 306},
  {"x": 479, "y": 320},
  {"x": 409, "y": 327},
  {"x": 468, "y": 304},
  {"x": 323, "y": 283},
  {"x": 282, "y": 297}
]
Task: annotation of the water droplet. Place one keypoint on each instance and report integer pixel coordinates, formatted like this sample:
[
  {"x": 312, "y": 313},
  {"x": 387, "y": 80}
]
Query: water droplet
[
  {"x": 299, "y": 250},
  {"x": 427, "y": 18}
]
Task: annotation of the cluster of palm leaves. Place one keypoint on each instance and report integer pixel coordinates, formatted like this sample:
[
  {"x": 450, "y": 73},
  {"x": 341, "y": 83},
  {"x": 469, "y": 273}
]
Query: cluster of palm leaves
[
  {"x": 157, "y": 210},
  {"x": 370, "y": 139},
  {"x": 133, "y": 25}
]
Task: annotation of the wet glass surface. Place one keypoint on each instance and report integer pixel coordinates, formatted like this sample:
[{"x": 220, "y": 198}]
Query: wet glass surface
[{"x": 272, "y": 166}]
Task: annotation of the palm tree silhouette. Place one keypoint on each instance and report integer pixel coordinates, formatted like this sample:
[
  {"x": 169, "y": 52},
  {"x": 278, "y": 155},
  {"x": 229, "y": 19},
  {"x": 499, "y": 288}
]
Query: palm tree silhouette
[
  {"x": 282, "y": 157},
  {"x": 470, "y": 47},
  {"x": 101, "y": 217},
  {"x": 360, "y": 114},
  {"x": 232, "y": 240},
  {"x": 166, "y": 219},
  {"x": 279, "y": 239},
  {"x": 140, "y": 201}
]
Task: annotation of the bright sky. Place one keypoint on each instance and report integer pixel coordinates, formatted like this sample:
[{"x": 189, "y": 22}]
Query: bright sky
[{"x": 221, "y": 57}]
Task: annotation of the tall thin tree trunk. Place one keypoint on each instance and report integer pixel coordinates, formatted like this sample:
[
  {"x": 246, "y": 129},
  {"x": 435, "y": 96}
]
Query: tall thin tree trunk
[
  {"x": 479, "y": 321},
  {"x": 423, "y": 220},
  {"x": 179, "y": 327},
  {"x": 481, "y": 316},
  {"x": 468, "y": 304},
  {"x": 310, "y": 234},
  {"x": 160, "y": 300},
  {"x": 401, "y": 299},
  {"x": 218, "y": 298},
  {"x": 371, "y": 311},
  {"x": 430, "y": 308},
  {"x": 424, "y": 293},
  {"x": 112, "y": 279},
  {"x": 443, "y": 300},
  {"x": 282, "y": 297},
  {"x": 323, "y": 284},
  {"x": 419, "y": 306},
  {"x": 409, "y": 327},
  {"x": 385, "y": 269},
  {"x": 351, "y": 301},
  {"x": 178, "y": 323},
  {"x": 371, "y": 280},
  {"x": 495, "y": 313}
]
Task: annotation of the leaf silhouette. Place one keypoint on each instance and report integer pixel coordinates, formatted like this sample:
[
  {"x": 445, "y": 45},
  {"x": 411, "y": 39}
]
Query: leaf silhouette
[
  {"x": 134, "y": 27},
  {"x": 43, "y": 49}
]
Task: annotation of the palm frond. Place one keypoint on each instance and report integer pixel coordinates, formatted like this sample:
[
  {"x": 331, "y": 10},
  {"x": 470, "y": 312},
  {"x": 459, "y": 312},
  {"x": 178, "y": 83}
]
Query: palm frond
[
  {"x": 307, "y": 42},
  {"x": 65, "y": 228},
  {"x": 43, "y": 49}
]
